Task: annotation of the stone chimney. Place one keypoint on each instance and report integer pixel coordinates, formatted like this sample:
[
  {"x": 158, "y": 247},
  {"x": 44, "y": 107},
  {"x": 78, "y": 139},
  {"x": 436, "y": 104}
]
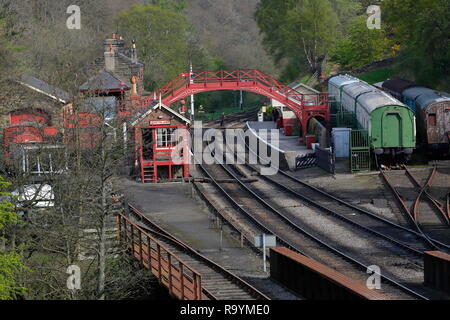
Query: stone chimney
[{"x": 111, "y": 48}]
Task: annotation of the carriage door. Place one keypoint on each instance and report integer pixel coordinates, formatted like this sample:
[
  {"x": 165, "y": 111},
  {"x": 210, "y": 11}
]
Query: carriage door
[
  {"x": 148, "y": 142},
  {"x": 447, "y": 123},
  {"x": 392, "y": 130}
]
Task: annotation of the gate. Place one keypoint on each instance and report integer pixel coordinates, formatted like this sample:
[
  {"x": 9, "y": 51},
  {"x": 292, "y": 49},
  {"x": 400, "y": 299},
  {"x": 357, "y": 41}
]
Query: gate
[
  {"x": 359, "y": 151},
  {"x": 325, "y": 159}
]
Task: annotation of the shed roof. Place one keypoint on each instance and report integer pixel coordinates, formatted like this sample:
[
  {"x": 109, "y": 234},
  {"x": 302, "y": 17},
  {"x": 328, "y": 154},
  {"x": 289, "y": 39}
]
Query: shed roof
[
  {"x": 302, "y": 88},
  {"x": 44, "y": 88}
]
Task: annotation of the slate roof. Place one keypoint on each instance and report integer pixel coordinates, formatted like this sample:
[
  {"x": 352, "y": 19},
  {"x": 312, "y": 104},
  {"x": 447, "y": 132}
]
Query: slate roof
[
  {"x": 44, "y": 88},
  {"x": 105, "y": 81},
  {"x": 129, "y": 60}
]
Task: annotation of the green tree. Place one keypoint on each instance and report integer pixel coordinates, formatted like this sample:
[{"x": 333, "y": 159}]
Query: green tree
[
  {"x": 422, "y": 29},
  {"x": 175, "y": 5},
  {"x": 10, "y": 261},
  {"x": 362, "y": 45},
  {"x": 161, "y": 35},
  {"x": 298, "y": 32}
]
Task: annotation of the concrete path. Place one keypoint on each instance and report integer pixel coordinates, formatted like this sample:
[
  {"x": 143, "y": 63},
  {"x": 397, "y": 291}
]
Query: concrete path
[{"x": 174, "y": 208}]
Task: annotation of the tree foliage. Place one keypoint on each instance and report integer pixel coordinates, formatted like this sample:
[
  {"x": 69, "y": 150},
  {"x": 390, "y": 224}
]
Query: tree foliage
[
  {"x": 10, "y": 261},
  {"x": 298, "y": 32},
  {"x": 161, "y": 36},
  {"x": 422, "y": 29},
  {"x": 361, "y": 47},
  {"x": 175, "y": 5}
]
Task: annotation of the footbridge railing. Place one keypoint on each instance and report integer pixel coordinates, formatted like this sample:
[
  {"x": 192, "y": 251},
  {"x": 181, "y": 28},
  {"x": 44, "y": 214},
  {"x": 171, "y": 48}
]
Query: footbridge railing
[
  {"x": 182, "y": 281},
  {"x": 234, "y": 80}
]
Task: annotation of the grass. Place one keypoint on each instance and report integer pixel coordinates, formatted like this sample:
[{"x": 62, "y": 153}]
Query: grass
[{"x": 377, "y": 75}]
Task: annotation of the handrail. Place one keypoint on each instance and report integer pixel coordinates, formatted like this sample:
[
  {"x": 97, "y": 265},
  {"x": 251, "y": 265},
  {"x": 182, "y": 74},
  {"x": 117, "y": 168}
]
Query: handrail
[
  {"x": 229, "y": 76},
  {"x": 182, "y": 281}
]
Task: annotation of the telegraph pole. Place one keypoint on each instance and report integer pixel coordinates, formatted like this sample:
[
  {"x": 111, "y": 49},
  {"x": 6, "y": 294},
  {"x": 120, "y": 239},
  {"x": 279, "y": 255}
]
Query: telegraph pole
[
  {"x": 241, "y": 103},
  {"x": 191, "y": 81}
]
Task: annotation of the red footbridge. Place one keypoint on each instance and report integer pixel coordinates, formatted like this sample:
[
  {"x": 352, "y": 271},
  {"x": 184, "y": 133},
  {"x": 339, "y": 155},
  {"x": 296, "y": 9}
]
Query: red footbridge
[{"x": 305, "y": 106}]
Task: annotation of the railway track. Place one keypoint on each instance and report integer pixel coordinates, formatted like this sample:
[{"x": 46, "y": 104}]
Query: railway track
[
  {"x": 217, "y": 282},
  {"x": 235, "y": 120},
  {"x": 430, "y": 217},
  {"x": 409, "y": 239},
  {"x": 291, "y": 233}
]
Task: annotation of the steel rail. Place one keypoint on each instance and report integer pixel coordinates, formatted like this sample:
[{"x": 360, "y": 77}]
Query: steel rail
[
  {"x": 296, "y": 227},
  {"x": 423, "y": 190},
  {"x": 167, "y": 235},
  {"x": 408, "y": 213},
  {"x": 345, "y": 219},
  {"x": 334, "y": 213},
  {"x": 347, "y": 204}
]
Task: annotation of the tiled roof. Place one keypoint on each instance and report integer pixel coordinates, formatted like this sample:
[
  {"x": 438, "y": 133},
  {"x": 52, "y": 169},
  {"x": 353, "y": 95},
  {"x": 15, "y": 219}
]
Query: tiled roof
[{"x": 104, "y": 81}]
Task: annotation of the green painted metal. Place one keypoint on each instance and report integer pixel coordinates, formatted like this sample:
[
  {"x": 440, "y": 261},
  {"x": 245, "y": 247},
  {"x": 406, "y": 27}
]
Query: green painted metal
[
  {"x": 359, "y": 151},
  {"x": 392, "y": 126}
]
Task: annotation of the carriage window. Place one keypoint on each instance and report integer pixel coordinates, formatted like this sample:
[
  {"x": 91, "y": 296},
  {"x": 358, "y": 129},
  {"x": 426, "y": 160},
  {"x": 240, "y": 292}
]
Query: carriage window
[{"x": 432, "y": 119}]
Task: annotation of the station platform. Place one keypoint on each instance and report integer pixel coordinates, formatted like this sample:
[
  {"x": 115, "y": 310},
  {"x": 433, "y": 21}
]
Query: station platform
[
  {"x": 174, "y": 207},
  {"x": 288, "y": 147}
]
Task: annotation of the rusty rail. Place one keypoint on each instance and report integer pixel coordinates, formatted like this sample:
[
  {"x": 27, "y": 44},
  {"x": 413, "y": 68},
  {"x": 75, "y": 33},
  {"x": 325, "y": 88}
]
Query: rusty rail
[
  {"x": 182, "y": 281},
  {"x": 434, "y": 243},
  {"x": 423, "y": 190}
]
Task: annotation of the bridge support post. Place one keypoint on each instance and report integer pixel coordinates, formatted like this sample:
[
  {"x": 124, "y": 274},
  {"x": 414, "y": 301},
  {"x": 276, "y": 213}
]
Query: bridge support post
[
  {"x": 158, "y": 248},
  {"x": 149, "y": 254},
  {"x": 181, "y": 280},
  {"x": 141, "y": 256},
  {"x": 169, "y": 263}
]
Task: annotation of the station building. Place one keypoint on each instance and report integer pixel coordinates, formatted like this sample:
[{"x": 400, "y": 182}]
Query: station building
[
  {"x": 31, "y": 119},
  {"x": 45, "y": 118}
]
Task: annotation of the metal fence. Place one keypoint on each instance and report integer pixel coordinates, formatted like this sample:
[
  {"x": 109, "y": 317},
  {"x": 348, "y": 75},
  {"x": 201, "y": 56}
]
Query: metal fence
[{"x": 359, "y": 151}]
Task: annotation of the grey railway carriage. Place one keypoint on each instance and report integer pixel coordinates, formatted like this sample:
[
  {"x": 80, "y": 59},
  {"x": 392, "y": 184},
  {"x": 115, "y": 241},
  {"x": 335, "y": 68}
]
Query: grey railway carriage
[
  {"x": 390, "y": 123},
  {"x": 432, "y": 109}
]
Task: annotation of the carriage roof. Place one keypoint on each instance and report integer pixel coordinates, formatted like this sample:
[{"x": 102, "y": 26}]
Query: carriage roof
[{"x": 378, "y": 99}]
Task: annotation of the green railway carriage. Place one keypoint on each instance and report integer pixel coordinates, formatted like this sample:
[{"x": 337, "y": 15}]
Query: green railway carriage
[{"x": 390, "y": 123}]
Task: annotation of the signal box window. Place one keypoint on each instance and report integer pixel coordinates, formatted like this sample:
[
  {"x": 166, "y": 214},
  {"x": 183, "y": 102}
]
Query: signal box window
[{"x": 166, "y": 137}]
